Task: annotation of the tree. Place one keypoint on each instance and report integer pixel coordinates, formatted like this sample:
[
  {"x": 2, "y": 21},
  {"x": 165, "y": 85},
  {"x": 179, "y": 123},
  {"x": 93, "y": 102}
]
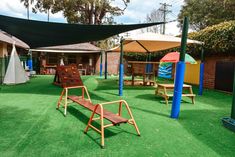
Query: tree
[
  {"x": 26, "y": 4},
  {"x": 218, "y": 38},
  {"x": 79, "y": 11},
  {"x": 203, "y": 13},
  {"x": 155, "y": 16}
]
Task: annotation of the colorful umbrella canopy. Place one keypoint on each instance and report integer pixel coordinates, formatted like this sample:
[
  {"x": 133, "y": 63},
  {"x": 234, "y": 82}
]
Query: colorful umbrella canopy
[{"x": 175, "y": 56}]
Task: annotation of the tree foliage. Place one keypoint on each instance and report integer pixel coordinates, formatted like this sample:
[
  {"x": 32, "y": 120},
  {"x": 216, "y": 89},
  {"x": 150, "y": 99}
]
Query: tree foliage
[
  {"x": 203, "y": 13},
  {"x": 217, "y": 38},
  {"x": 155, "y": 16},
  {"x": 78, "y": 11}
]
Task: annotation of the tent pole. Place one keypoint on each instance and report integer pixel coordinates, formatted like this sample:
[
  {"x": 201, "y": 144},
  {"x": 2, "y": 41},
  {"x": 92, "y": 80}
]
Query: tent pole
[
  {"x": 101, "y": 63},
  {"x": 180, "y": 69},
  {"x": 121, "y": 70},
  {"x": 30, "y": 61},
  {"x": 150, "y": 59},
  {"x": 201, "y": 77},
  {"x": 106, "y": 66},
  {"x": 147, "y": 66}
]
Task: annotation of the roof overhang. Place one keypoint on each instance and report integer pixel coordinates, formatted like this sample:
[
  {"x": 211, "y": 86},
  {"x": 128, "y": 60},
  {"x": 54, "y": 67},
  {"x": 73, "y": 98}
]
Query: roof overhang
[{"x": 63, "y": 51}]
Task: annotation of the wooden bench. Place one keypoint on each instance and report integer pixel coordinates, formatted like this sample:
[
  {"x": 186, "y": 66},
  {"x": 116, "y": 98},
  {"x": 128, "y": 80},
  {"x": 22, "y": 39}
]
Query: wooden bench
[
  {"x": 114, "y": 118},
  {"x": 163, "y": 89},
  {"x": 97, "y": 109}
]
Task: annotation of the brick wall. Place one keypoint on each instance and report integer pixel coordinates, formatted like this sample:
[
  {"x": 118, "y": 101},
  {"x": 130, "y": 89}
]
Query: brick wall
[
  {"x": 113, "y": 63},
  {"x": 209, "y": 71},
  {"x": 210, "y": 67}
]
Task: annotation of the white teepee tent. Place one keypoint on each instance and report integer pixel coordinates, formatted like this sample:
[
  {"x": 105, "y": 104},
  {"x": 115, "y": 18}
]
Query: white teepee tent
[
  {"x": 61, "y": 61},
  {"x": 15, "y": 72}
]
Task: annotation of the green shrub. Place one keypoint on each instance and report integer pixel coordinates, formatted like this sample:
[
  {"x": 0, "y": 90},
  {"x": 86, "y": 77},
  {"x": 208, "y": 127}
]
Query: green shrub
[{"x": 217, "y": 38}]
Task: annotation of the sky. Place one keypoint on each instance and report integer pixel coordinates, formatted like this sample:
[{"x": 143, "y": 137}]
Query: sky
[{"x": 136, "y": 12}]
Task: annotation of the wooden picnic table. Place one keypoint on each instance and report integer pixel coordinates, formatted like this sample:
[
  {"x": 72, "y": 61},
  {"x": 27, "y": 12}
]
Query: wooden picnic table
[{"x": 163, "y": 91}]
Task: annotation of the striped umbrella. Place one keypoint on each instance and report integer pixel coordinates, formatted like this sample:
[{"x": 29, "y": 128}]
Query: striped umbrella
[{"x": 174, "y": 57}]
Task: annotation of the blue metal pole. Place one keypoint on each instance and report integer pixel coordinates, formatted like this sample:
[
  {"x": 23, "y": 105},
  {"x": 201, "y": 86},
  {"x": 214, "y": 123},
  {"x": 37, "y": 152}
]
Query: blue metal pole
[
  {"x": 201, "y": 78},
  {"x": 121, "y": 71},
  {"x": 179, "y": 81},
  {"x": 147, "y": 65},
  {"x": 150, "y": 65},
  {"x": 101, "y": 65},
  {"x": 30, "y": 61},
  {"x": 180, "y": 69},
  {"x": 106, "y": 66}
]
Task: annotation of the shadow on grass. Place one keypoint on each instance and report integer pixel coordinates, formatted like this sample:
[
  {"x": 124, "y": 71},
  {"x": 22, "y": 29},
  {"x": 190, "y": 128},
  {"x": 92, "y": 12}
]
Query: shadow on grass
[
  {"x": 215, "y": 99},
  {"x": 151, "y": 112},
  {"x": 43, "y": 85},
  {"x": 112, "y": 84},
  {"x": 85, "y": 118},
  {"x": 38, "y": 85},
  {"x": 205, "y": 126},
  {"x": 154, "y": 98},
  {"x": 150, "y": 97},
  {"x": 111, "y": 93},
  {"x": 17, "y": 126}
]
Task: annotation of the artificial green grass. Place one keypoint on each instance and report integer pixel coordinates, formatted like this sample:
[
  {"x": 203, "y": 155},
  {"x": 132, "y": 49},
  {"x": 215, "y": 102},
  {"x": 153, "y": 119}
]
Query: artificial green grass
[{"x": 31, "y": 126}]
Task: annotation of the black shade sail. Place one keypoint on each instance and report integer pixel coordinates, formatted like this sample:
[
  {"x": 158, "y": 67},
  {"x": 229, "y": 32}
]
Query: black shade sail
[{"x": 41, "y": 34}]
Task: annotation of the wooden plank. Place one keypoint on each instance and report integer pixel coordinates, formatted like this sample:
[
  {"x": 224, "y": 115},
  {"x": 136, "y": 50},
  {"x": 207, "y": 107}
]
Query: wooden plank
[
  {"x": 142, "y": 62},
  {"x": 189, "y": 95},
  {"x": 172, "y": 85},
  {"x": 115, "y": 119},
  {"x": 186, "y": 95}
]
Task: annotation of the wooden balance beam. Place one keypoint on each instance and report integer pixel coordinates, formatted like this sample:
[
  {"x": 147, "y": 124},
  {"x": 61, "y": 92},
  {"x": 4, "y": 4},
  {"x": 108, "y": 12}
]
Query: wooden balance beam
[{"x": 97, "y": 109}]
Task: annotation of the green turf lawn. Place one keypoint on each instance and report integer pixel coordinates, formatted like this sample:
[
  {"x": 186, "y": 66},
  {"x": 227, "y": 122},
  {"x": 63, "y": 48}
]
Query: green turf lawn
[{"x": 30, "y": 125}]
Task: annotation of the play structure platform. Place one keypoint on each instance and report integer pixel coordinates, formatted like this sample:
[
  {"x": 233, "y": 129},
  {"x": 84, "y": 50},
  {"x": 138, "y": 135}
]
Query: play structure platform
[
  {"x": 67, "y": 76},
  {"x": 141, "y": 68}
]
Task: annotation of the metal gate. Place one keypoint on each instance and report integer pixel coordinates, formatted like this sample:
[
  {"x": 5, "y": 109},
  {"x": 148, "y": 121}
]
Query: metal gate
[{"x": 224, "y": 76}]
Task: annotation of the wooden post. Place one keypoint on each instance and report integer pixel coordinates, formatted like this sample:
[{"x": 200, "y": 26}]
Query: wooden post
[
  {"x": 201, "y": 77},
  {"x": 132, "y": 117},
  {"x": 82, "y": 92},
  {"x": 132, "y": 75},
  {"x": 60, "y": 99},
  {"x": 120, "y": 109},
  {"x": 102, "y": 125},
  {"x": 65, "y": 101}
]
